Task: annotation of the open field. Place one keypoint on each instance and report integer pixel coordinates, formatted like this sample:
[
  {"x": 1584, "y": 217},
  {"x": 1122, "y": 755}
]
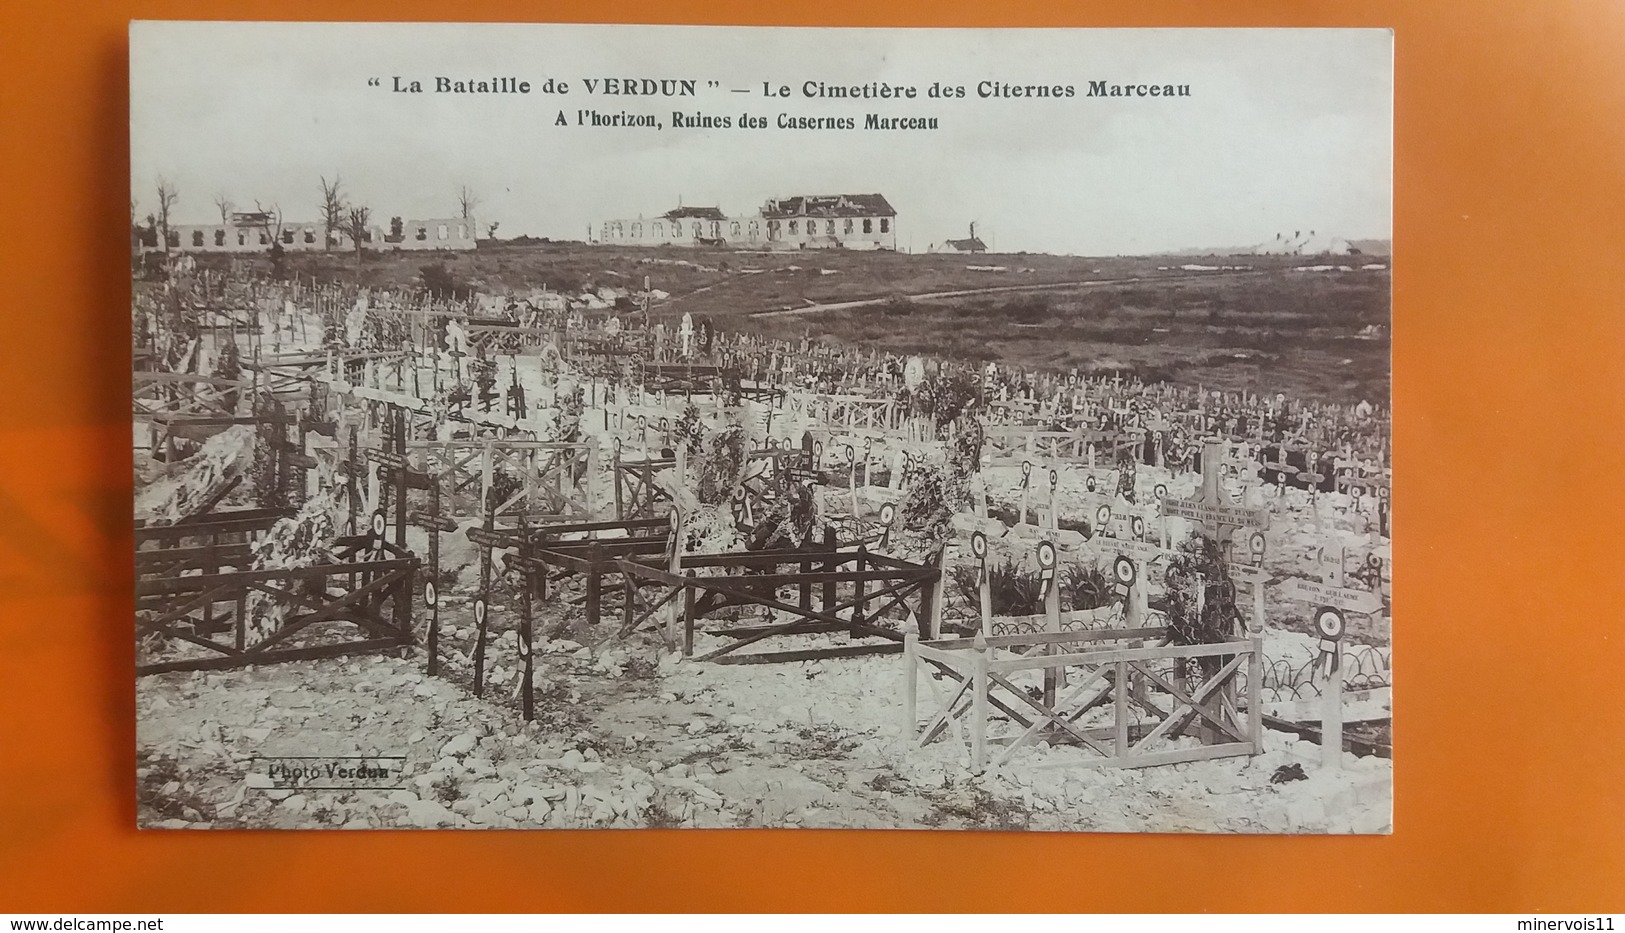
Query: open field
[
  {"x": 1298, "y": 333},
  {"x": 1247, "y": 322}
]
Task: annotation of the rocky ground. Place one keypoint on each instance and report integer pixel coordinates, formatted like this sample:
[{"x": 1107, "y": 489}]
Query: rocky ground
[{"x": 624, "y": 737}]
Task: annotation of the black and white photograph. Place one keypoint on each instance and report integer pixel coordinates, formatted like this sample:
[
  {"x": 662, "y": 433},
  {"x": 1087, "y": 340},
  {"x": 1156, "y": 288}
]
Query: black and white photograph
[{"x": 610, "y": 426}]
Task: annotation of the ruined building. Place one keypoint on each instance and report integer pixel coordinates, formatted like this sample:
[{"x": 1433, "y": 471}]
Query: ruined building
[
  {"x": 832, "y": 221},
  {"x": 254, "y": 231}
]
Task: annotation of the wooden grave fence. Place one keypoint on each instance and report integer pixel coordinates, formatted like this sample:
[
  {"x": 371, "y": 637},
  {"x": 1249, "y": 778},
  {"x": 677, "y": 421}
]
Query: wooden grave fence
[{"x": 1136, "y": 686}]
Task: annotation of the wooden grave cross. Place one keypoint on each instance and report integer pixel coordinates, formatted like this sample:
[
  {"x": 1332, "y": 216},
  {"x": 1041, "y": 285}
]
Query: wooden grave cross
[
  {"x": 527, "y": 695},
  {"x": 1131, "y": 561},
  {"x": 1211, "y": 510},
  {"x": 485, "y": 542},
  {"x": 984, "y": 590},
  {"x": 1332, "y": 602},
  {"x": 1249, "y": 569},
  {"x": 1026, "y": 485},
  {"x": 434, "y": 523},
  {"x": 852, "y": 478},
  {"x": 1054, "y": 522},
  {"x": 1312, "y": 478}
]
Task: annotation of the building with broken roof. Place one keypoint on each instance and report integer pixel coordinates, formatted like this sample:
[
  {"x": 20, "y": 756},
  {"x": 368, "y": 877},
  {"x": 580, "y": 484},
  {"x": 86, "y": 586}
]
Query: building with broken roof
[
  {"x": 833, "y": 221},
  {"x": 255, "y": 231}
]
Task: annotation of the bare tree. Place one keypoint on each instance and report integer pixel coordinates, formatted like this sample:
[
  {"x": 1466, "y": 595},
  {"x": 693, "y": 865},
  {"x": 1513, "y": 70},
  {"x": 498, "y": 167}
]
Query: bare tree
[
  {"x": 467, "y": 202},
  {"x": 491, "y": 229},
  {"x": 223, "y": 202},
  {"x": 168, "y": 197},
  {"x": 356, "y": 225},
  {"x": 270, "y": 224},
  {"x": 332, "y": 210},
  {"x": 135, "y": 235},
  {"x": 270, "y": 221}
]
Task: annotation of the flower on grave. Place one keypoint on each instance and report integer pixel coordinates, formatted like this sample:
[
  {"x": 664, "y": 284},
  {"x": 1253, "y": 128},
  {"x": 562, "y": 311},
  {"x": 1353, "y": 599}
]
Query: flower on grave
[
  {"x": 572, "y": 402},
  {"x": 484, "y": 371},
  {"x": 689, "y": 430},
  {"x": 229, "y": 365},
  {"x": 304, "y": 539},
  {"x": 504, "y": 485},
  {"x": 1126, "y": 467},
  {"x": 796, "y": 520},
  {"x": 1200, "y": 597},
  {"x": 198, "y": 479}
]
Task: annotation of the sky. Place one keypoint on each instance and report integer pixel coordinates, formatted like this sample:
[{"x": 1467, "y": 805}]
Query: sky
[{"x": 1284, "y": 129}]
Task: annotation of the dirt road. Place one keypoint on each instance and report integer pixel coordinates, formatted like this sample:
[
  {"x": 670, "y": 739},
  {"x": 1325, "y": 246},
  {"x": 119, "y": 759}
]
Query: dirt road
[{"x": 999, "y": 289}]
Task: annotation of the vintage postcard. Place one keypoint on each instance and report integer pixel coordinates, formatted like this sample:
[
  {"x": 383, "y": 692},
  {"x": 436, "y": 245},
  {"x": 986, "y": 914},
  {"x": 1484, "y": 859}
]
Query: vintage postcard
[{"x": 544, "y": 426}]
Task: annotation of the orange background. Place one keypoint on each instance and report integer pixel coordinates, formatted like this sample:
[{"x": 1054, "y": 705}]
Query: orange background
[{"x": 1510, "y": 393}]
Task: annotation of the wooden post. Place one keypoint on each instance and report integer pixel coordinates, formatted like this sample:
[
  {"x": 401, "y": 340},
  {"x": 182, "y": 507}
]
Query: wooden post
[
  {"x": 985, "y": 592},
  {"x": 486, "y": 469},
  {"x": 1258, "y": 606},
  {"x": 688, "y": 613},
  {"x": 620, "y": 504},
  {"x": 592, "y": 479},
  {"x": 527, "y": 690},
  {"x": 400, "y": 477},
  {"x": 674, "y": 563},
  {"x": 911, "y": 686},
  {"x": 1120, "y": 695},
  {"x": 852, "y": 480},
  {"x": 939, "y": 596},
  {"x": 830, "y": 566},
  {"x": 1255, "y": 693},
  {"x": 979, "y": 680},
  {"x": 434, "y": 580},
  {"x": 353, "y": 477},
  {"x": 1026, "y": 484},
  {"x": 1052, "y": 623},
  {"x": 804, "y": 590},
  {"x": 482, "y": 608},
  {"x": 628, "y": 594},
  {"x": 595, "y": 559},
  {"x": 1331, "y": 712},
  {"x": 1054, "y": 507},
  {"x": 1138, "y": 604},
  {"x": 859, "y": 603}
]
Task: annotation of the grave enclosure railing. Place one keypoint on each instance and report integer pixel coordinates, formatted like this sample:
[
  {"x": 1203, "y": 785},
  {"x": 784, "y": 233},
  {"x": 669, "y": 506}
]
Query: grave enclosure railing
[
  {"x": 554, "y": 552},
  {"x": 234, "y": 618},
  {"x": 554, "y": 477},
  {"x": 1123, "y": 697},
  {"x": 637, "y": 493},
  {"x": 207, "y": 543},
  {"x": 836, "y": 590}
]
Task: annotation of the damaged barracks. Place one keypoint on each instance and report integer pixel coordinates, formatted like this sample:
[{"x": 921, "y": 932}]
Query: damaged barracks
[
  {"x": 255, "y": 231},
  {"x": 832, "y": 221}
]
